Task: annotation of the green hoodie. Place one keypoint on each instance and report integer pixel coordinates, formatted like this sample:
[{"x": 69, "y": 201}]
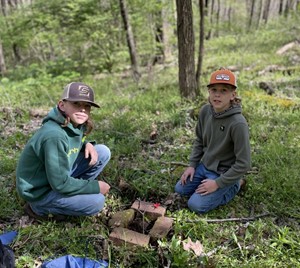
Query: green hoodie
[
  {"x": 47, "y": 159},
  {"x": 222, "y": 144}
]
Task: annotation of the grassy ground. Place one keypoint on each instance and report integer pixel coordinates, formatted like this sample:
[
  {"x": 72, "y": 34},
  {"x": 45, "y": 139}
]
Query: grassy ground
[{"x": 133, "y": 114}]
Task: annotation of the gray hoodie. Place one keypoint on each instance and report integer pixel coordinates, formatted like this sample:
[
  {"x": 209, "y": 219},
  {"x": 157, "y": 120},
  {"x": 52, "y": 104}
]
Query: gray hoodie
[{"x": 222, "y": 144}]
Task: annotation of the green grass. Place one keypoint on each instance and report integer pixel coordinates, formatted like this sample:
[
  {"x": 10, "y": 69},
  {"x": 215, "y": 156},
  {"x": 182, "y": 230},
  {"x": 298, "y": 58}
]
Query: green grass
[{"x": 128, "y": 115}]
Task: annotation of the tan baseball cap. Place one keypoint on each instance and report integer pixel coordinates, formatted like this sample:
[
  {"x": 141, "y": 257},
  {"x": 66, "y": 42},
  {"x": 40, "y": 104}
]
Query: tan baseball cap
[
  {"x": 222, "y": 76},
  {"x": 77, "y": 91}
]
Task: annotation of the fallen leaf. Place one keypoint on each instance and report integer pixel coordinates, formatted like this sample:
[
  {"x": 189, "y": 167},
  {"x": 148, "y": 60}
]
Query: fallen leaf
[{"x": 195, "y": 246}]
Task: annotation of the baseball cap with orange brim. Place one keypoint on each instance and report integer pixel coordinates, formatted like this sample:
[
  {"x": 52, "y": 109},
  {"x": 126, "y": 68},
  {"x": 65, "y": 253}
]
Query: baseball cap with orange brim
[{"x": 223, "y": 76}]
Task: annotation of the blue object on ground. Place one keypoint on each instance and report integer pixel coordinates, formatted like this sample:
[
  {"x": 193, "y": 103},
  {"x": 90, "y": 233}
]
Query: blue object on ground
[
  {"x": 7, "y": 257},
  {"x": 70, "y": 261},
  {"x": 8, "y": 237}
]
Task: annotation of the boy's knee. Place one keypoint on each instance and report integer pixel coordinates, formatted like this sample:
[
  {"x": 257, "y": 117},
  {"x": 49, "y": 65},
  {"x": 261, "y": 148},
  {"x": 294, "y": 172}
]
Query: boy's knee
[
  {"x": 104, "y": 153},
  {"x": 198, "y": 207},
  {"x": 103, "y": 150},
  {"x": 178, "y": 188},
  {"x": 100, "y": 202},
  {"x": 96, "y": 206}
]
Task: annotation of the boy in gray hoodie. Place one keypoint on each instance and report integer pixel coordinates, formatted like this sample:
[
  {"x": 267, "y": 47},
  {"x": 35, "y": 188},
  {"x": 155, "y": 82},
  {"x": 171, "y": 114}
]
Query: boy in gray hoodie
[{"x": 221, "y": 152}]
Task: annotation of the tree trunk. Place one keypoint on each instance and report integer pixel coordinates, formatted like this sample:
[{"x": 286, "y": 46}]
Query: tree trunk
[
  {"x": 218, "y": 18},
  {"x": 201, "y": 42},
  {"x": 229, "y": 13},
  {"x": 206, "y": 7},
  {"x": 2, "y": 61},
  {"x": 266, "y": 11},
  {"x": 186, "y": 49},
  {"x": 6, "y": 7},
  {"x": 159, "y": 36},
  {"x": 261, "y": 11},
  {"x": 167, "y": 32},
  {"x": 3, "y": 7},
  {"x": 251, "y": 15},
  {"x": 17, "y": 53},
  {"x": 130, "y": 41},
  {"x": 290, "y": 5},
  {"x": 286, "y": 10},
  {"x": 281, "y": 8},
  {"x": 209, "y": 35}
]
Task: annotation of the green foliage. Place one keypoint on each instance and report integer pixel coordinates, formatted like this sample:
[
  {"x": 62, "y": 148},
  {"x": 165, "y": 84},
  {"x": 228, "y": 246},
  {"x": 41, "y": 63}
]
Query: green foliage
[
  {"x": 174, "y": 252},
  {"x": 80, "y": 36}
]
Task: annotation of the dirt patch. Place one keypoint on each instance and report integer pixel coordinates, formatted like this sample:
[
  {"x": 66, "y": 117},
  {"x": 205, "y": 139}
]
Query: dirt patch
[{"x": 10, "y": 117}]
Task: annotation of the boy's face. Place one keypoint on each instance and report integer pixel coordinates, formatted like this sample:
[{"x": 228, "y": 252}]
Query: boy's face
[
  {"x": 220, "y": 96},
  {"x": 78, "y": 111}
]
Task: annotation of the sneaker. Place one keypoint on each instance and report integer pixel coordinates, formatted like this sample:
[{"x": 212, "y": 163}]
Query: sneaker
[
  {"x": 243, "y": 185},
  {"x": 28, "y": 210}
]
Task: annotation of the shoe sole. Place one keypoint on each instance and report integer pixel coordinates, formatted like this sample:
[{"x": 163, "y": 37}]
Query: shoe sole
[{"x": 28, "y": 210}]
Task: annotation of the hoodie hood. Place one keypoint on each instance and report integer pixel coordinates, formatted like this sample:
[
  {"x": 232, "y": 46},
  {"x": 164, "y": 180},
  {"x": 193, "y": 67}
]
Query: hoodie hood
[
  {"x": 234, "y": 109},
  {"x": 56, "y": 116}
]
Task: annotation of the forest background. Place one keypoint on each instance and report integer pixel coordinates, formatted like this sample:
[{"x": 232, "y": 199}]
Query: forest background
[{"x": 149, "y": 63}]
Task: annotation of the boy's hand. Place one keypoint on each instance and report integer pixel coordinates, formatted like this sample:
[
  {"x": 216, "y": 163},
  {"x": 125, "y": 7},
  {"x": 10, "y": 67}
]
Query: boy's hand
[
  {"x": 92, "y": 153},
  {"x": 207, "y": 187},
  {"x": 188, "y": 173},
  {"x": 104, "y": 187}
]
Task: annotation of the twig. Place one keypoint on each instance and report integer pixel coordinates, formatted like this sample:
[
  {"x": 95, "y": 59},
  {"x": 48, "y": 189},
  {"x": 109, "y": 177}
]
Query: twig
[
  {"x": 143, "y": 215},
  {"x": 175, "y": 163},
  {"x": 230, "y": 219}
]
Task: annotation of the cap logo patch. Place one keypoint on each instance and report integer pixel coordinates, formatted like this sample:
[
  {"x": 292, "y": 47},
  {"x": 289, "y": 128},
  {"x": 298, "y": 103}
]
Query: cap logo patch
[
  {"x": 83, "y": 91},
  {"x": 224, "y": 77}
]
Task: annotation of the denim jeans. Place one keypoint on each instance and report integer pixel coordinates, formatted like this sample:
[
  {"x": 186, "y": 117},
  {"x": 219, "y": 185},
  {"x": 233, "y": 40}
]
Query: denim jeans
[
  {"x": 77, "y": 205},
  {"x": 204, "y": 203}
]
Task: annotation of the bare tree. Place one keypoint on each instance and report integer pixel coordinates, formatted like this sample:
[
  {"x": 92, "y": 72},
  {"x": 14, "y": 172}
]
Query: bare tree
[
  {"x": 209, "y": 34},
  {"x": 201, "y": 41},
  {"x": 159, "y": 36},
  {"x": 260, "y": 13},
  {"x": 266, "y": 11},
  {"x": 218, "y": 17},
  {"x": 290, "y": 5},
  {"x": 167, "y": 31},
  {"x": 2, "y": 61},
  {"x": 6, "y": 6},
  {"x": 158, "y": 31},
  {"x": 130, "y": 40},
  {"x": 251, "y": 15},
  {"x": 281, "y": 7},
  {"x": 186, "y": 49}
]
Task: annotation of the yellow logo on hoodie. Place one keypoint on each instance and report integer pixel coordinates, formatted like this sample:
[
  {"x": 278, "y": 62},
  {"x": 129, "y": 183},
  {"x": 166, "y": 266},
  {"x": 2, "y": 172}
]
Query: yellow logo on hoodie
[{"x": 73, "y": 151}]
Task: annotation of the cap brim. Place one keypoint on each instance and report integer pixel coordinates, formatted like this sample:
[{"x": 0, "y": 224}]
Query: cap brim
[
  {"x": 92, "y": 103},
  {"x": 222, "y": 83}
]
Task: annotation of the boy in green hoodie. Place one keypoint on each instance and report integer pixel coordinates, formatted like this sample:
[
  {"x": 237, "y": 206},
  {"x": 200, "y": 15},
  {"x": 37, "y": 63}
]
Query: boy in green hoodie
[
  {"x": 221, "y": 152},
  {"x": 57, "y": 170}
]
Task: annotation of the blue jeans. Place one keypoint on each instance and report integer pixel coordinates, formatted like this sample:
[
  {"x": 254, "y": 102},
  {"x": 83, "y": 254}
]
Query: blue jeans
[
  {"x": 204, "y": 203},
  {"x": 77, "y": 205}
]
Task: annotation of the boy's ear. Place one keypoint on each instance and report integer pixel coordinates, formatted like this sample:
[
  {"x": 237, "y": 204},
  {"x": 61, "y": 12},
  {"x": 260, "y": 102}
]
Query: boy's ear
[{"x": 233, "y": 95}]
